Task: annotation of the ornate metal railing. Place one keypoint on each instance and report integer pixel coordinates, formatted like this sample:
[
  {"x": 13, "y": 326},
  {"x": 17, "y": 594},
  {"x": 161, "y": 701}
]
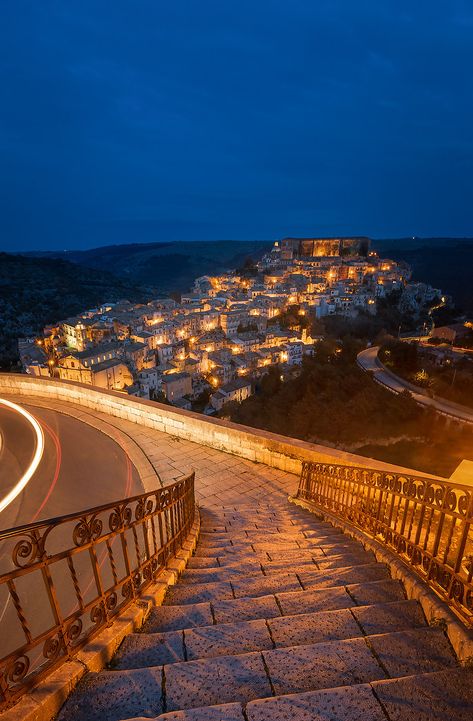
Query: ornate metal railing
[
  {"x": 428, "y": 523},
  {"x": 63, "y": 580}
]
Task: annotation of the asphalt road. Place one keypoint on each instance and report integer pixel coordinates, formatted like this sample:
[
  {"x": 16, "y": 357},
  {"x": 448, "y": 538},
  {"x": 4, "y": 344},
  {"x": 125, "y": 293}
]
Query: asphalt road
[
  {"x": 80, "y": 467},
  {"x": 368, "y": 361}
]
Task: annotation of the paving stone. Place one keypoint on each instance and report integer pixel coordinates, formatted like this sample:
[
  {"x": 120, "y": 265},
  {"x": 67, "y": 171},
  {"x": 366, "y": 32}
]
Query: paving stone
[
  {"x": 344, "y": 576},
  {"x": 387, "y": 617},
  {"x": 174, "y": 618},
  {"x": 197, "y": 593},
  {"x": 321, "y": 665},
  {"x": 140, "y": 650},
  {"x": 275, "y": 547},
  {"x": 291, "y": 555},
  {"x": 213, "y": 543},
  {"x": 222, "y": 712},
  {"x": 312, "y": 628},
  {"x": 227, "y": 639},
  {"x": 250, "y": 564},
  {"x": 115, "y": 695},
  {"x": 247, "y": 587},
  {"x": 203, "y": 562},
  {"x": 281, "y": 568},
  {"x": 245, "y": 609},
  {"x": 347, "y": 703},
  {"x": 414, "y": 651},
  {"x": 216, "y": 680},
  {"x": 327, "y": 533},
  {"x": 324, "y": 599},
  {"x": 199, "y": 575},
  {"x": 327, "y": 563},
  {"x": 230, "y": 550},
  {"x": 366, "y": 594},
  {"x": 212, "y": 527},
  {"x": 442, "y": 696}
]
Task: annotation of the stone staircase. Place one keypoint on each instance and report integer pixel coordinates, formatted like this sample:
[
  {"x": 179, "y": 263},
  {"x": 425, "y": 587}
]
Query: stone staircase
[{"x": 281, "y": 617}]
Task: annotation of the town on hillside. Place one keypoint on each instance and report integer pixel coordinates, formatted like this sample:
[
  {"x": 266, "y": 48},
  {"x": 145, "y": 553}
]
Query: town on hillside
[{"x": 213, "y": 346}]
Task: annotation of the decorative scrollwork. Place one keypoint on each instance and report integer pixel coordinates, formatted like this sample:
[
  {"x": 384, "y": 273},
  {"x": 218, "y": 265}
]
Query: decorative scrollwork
[
  {"x": 97, "y": 614},
  {"x": 86, "y": 530},
  {"x": 120, "y": 517},
  {"x": 17, "y": 669},
  {"x": 464, "y": 504},
  {"x": 451, "y": 500},
  {"x": 469, "y": 600},
  {"x": 127, "y": 590},
  {"x": 83, "y": 548},
  {"x": 426, "y": 521},
  {"x": 74, "y": 630},
  {"x": 457, "y": 590},
  {"x": 439, "y": 495},
  {"x": 27, "y": 550},
  {"x": 111, "y": 601},
  {"x": 52, "y": 647}
]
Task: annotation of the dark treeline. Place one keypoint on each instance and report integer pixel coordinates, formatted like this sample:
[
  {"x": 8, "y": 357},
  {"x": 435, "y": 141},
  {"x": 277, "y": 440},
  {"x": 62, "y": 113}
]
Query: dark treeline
[{"x": 38, "y": 291}]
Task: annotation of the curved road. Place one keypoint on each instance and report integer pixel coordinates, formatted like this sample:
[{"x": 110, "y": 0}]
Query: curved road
[
  {"x": 368, "y": 361},
  {"x": 80, "y": 467}
]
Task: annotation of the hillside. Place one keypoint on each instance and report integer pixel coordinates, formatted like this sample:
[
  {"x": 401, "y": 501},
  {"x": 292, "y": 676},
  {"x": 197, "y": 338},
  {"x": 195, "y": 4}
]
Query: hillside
[
  {"x": 37, "y": 291},
  {"x": 166, "y": 266},
  {"x": 445, "y": 263}
]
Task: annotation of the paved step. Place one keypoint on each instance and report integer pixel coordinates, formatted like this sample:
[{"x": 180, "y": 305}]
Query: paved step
[
  {"x": 279, "y": 616},
  {"x": 153, "y": 649},
  {"x": 249, "y": 676},
  {"x": 439, "y": 696}
]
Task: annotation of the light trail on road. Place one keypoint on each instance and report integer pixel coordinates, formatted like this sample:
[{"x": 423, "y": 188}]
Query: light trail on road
[
  {"x": 24, "y": 480},
  {"x": 57, "y": 445}
]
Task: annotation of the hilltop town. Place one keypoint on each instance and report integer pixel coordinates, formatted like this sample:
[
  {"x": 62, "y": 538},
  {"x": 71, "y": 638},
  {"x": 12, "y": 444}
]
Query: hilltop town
[{"x": 212, "y": 346}]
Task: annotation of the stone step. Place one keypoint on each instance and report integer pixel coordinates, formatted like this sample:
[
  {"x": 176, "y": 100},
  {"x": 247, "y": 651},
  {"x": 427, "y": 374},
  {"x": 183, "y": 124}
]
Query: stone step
[
  {"x": 115, "y": 695},
  {"x": 182, "y": 594},
  {"x": 154, "y": 649},
  {"x": 222, "y": 712},
  {"x": 437, "y": 696},
  {"x": 175, "y": 618},
  {"x": 203, "y": 562},
  {"x": 208, "y": 575},
  {"x": 308, "y": 572},
  {"x": 245, "y": 609},
  {"x": 292, "y": 603},
  {"x": 343, "y": 576},
  {"x": 332, "y": 598}
]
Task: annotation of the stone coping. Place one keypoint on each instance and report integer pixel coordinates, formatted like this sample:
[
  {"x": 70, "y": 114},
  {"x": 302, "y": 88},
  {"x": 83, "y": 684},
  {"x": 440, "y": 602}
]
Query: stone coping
[
  {"x": 44, "y": 702},
  {"x": 436, "y": 611},
  {"x": 274, "y": 450}
]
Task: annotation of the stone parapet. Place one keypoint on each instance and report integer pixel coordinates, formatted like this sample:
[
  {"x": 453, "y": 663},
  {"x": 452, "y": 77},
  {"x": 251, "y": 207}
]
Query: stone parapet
[{"x": 286, "y": 454}]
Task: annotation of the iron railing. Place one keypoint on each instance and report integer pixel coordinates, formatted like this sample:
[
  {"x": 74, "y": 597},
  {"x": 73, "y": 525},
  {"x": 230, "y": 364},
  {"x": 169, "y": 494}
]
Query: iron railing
[
  {"x": 64, "y": 580},
  {"x": 427, "y": 522}
]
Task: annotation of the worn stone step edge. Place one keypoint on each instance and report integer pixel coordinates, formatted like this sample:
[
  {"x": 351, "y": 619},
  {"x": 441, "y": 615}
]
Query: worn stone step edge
[
  {"x": 243, "y": 711},
  {"x": 44, "y": 701},
  {"x": 362, "y": 633},
  {"x": 253, "y": 654},
  {"x": 435, "y": 610}
]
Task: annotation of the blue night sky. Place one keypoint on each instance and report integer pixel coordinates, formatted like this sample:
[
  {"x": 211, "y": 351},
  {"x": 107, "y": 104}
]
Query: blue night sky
[{"x": 144, "y": 120}]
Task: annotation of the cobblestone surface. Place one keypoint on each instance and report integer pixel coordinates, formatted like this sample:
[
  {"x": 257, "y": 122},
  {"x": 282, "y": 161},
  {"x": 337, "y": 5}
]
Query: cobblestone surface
[{"x": 279, "y": 616}]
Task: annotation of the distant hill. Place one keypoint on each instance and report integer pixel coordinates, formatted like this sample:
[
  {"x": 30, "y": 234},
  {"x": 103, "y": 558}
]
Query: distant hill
[
  {"x": 37, "y": 291},
  {"x": 445, "y": 263},
  {"x": 167, "y": 267}
]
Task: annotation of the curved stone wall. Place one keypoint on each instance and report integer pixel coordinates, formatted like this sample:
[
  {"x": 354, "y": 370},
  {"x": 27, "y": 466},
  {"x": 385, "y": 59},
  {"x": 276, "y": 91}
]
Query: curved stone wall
[{"x": 256, "y": 445}]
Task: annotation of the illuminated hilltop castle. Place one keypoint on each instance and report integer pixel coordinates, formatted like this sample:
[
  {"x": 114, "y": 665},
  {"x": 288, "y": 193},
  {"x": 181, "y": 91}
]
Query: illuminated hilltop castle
[{"x": 324, "y": 247}]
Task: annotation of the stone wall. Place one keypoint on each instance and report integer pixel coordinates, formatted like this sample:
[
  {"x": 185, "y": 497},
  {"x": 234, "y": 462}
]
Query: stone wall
[{"x": 256, "y": 445}]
